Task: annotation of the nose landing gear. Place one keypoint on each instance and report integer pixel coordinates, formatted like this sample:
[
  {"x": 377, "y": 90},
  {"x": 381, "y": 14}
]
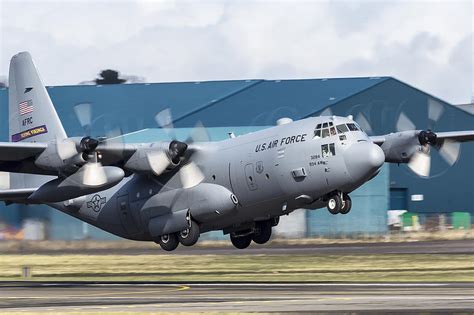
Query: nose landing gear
[{"x": 339, "y": 203}]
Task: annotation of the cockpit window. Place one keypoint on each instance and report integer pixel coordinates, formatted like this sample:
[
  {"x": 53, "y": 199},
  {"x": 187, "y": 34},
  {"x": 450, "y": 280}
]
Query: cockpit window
[
  {"x": 325, "y": 133},
  {"x": 318, "y": 126},
  {"x": 331, "y": 124},
  {"x": 325, "y": 125},
  {"x": 342, "y": 128},
  {"x": 333, "y": 131},
  {"x": 352, "y": 127}
]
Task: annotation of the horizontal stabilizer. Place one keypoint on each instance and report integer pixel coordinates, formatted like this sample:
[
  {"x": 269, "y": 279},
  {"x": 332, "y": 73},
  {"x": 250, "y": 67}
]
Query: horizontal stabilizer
[{"x": 16, "y": 195}]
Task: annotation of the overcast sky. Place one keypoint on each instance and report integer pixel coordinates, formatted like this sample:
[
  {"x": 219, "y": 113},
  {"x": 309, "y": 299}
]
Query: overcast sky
[{"x": 426, "y": 44}]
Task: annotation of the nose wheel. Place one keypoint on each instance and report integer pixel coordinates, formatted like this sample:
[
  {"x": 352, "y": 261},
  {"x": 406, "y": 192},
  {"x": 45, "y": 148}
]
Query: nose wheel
[{"x": 339, "y": 203}]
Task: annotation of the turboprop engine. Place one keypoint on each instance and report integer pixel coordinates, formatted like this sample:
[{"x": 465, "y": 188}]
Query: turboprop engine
[{"x": 157, "y": 157}]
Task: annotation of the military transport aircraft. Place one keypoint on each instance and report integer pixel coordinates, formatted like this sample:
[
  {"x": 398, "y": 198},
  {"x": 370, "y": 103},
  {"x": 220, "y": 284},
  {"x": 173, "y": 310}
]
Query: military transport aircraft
[{"x": 170, "y": 192}]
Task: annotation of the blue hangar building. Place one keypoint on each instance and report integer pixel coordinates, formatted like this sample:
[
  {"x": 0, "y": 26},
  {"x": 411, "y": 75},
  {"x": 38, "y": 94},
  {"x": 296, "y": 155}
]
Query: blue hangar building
[{"x": 244, "y": 106}]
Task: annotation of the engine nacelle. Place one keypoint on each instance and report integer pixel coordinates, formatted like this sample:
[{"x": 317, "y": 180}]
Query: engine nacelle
[
  {"x": 62, "y": 155},
  {"x": 156, "y": 157},
  {"x": 399, "y": 147}
]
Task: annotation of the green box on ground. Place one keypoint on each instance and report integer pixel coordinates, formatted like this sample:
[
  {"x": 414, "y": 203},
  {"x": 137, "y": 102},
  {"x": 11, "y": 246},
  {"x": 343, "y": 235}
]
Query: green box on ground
[{"x": 461, "y": 220}]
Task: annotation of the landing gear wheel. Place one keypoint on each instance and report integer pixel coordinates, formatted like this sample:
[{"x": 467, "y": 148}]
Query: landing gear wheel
[
  {"x": 334, "y": 204},
  {"x": 346, "y": 205},
  {"x": 241, "y": 242},
  {"x": 169, "y": 242},
  {"x": 190, "y": 236},
  {"x": 264, "y": 232}
]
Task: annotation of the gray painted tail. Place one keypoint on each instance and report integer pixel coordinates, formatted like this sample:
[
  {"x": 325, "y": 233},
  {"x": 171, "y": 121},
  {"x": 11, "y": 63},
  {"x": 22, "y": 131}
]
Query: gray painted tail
[{"x": 32, "y": 117}]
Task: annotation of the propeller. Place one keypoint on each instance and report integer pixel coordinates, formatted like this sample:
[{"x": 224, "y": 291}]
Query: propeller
[
  {"x": 449, "y": 150},
  {"x": 179, "y": 152},
  {"x": 93, "y": 172}
]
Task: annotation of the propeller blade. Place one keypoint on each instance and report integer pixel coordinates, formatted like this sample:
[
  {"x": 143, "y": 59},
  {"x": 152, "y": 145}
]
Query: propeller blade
[
  {"x": 420, "y": 163},
  {"x": 84, "y": 115},
  {"x": 158, "y": 162},
  {"x": 94, "y": 174},
  {"x": 66, "y": 148},
  {"x": 198, "y": 134},
  {"x": 404, "y": 123},
  {"x": 190, "y": 175},
  {"x": 450, "y": 151},
  {"x": 326, "y": 112},
  {"x": 435, "y": 110},
  {"x": 364, "y": 123},
  {"x": 164, "y": 119}
]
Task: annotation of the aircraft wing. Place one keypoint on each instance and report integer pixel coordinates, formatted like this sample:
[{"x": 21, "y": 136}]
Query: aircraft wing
[
  {"x": 459, "y": 136},
  {"x": 18, "y": 151},
  {"x": 19, "y": 157}
]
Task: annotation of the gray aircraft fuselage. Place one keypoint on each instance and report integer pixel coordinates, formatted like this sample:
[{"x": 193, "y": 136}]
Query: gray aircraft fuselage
[{"x": 253, "y": 177}]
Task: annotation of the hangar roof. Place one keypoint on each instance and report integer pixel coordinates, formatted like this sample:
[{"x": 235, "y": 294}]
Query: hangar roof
[{"x": 219, "y": 103}]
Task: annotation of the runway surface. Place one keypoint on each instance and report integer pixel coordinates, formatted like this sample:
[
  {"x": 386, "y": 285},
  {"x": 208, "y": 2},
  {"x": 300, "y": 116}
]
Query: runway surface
[
  {"x": 415, "y": 247},
  {"x": 236, "y": 297}
]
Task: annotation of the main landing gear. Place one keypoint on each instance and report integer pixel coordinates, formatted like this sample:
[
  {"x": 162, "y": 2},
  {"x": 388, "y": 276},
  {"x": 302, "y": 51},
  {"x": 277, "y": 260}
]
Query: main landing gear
[
  {"x": 339, "y": 203},
  {"x": 260, "y": 234},
  {"x": 188, "y": 237}
]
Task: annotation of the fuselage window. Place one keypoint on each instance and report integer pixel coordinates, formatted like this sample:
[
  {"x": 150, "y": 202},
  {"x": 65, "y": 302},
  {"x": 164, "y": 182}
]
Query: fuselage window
[
  {"x": 325, "y": 133},
  {"x": 342, "y": 128},
  {"x": 328, "y": 150},
  {"x": 324, "y": 130},
  {"x": 352, "y": 127}
]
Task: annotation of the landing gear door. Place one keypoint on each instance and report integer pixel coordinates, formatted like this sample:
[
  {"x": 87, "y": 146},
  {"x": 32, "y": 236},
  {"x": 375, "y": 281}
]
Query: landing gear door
[{"x": 126, "y": 217}]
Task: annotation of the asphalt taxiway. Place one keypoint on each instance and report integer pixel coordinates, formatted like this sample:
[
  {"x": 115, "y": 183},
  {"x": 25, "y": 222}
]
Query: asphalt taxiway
[{"x": 236, "y": 297}]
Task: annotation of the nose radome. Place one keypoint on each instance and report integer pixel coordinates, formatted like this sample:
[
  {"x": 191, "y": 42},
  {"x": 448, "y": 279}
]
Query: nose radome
[{"x": 363, "y": 160}]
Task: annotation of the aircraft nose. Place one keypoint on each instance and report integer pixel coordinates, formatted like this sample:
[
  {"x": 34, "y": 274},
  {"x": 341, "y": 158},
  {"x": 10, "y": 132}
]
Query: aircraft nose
[{"x": 363, "y": 160}]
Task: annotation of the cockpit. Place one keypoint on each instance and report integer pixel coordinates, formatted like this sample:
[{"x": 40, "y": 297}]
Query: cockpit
[{"x": 328, "y": 129}]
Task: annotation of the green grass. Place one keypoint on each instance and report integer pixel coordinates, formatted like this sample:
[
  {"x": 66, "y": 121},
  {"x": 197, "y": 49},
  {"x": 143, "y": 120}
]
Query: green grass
[{"x": 378, "y": 268}]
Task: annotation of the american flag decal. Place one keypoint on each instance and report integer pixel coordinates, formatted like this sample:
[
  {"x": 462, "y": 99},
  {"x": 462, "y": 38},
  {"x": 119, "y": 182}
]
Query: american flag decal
[{"x": 25, "y": 107}]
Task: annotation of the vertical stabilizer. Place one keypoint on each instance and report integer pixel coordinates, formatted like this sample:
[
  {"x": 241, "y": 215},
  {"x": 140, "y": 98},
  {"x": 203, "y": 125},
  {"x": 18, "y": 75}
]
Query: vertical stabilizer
[{"x": 32, "y": 117}]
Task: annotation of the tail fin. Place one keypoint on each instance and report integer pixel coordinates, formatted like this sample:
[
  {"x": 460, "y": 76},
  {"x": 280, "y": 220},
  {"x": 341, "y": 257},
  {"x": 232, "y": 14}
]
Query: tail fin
[{"x": 32, "y": 117}]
